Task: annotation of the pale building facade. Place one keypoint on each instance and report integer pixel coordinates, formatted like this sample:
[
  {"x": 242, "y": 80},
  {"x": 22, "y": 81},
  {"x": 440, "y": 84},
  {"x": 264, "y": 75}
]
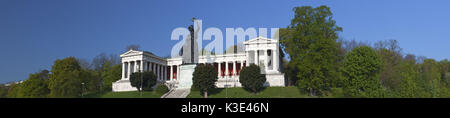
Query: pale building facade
[{"x": 260, "y": 51}]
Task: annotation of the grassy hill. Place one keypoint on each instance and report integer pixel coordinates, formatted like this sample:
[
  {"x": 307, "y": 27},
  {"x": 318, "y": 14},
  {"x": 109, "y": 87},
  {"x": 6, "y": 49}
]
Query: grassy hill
[
  {"x": 131, "y": 94},
  {"x": 269, "y": 92}
]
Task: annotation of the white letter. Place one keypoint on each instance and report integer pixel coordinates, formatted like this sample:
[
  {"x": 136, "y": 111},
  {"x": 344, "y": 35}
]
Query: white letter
[
  {"x": 240, "y": 35},
  {"x": 176, "y": 33}
]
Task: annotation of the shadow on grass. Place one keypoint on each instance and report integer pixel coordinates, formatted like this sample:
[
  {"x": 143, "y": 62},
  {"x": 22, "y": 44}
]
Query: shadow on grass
[
  {"x": 213, "y": 91},
  {"x": 95, "y": 94}
]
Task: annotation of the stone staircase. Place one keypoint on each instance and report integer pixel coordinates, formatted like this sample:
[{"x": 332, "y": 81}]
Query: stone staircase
[{"x": 177, "y": 93}]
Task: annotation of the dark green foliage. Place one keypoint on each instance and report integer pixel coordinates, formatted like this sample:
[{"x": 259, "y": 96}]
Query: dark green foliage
[
  {"x": 310, "y": 41},
  {"x": 251, "y": 78},
  {"x": 408, "y": 85},
  {"x": 430, "y": 77},
  {"x": 361, "y": 68},
  {"x": 65, "y": 78},
  {"x": 91, "y": 81},
  {"x": 13, "y": 90},
  {"x": 161, "y": 89},
  {"x": 111, "y": 75},
  {"x": 204, "y": 78},
  {"x": 36, "y": 86},
  {"x": 391, "y": 58},
  {"x": 3, "y": 91},
  {"x": 148, "y": 80},
  {"x": 290, "y": 71}
]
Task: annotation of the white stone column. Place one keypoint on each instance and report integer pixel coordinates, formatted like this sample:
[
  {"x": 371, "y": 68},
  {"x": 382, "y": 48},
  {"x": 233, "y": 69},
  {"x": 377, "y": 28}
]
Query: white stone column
[
  {"x": 178, "y": 72},
  {"x": 123, "y": 70},
  {"x": 242, "y": 64},
  {"x": 165, "y": 73},
  {"x": 157, "y": 72},
  {"x": 266, "y": 61},
  {"x": 275, "y": 59},
  {"x": 128, "y": 70},
  {"x": 247, "y": 55},
  {"x": 171, "y": 73},
  {"x": 226, "y": 69},
  {"x": 257, "y": 57},
  {"x": 141, "y": 67},
  {"x": 160, "y": 72},
  {"x": 234, "y": 67},
  {"x": 135, "y": 66},
  {"x": 219, "y": 69}
]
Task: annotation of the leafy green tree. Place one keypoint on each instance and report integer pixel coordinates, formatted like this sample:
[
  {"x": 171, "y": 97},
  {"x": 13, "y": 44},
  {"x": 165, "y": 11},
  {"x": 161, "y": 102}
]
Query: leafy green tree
[
  {"x": 3, "y": 91},
  {"x": 148, "y": 80},
  {"x": 310, "y": 41},
  {"x": 431, "y": 77},
  {"x": 111, "y": 74},
  {"x": 252, "y": 79},
  {"x": 90, "y": 80},
  {"x": 391, "y": 58},
  {"x": 362, "y": 66},
  {"x": 444, "y": 66},
  {"x": 204, "y": 78},
  {"x": 13, "y": 90},
  {"x": 409, "y": 74},
  {"x": 290, "y": 72},
  {"x": 65, "y": 78},
  {"x": 36, "y": 86}
]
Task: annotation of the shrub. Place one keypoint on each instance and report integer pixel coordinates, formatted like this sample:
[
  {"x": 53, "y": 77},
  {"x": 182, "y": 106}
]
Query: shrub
[
  {"x": 251, "y": 78},
  {"x": 161, "y": 89},
  {"x": 148, "y": 78},
  {"x": 204, "y": 78}
]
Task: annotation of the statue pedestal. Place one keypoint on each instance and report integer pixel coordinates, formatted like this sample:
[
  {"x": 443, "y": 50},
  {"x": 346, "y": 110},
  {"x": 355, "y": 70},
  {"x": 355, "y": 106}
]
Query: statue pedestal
[{"x": 186, "y": 74}]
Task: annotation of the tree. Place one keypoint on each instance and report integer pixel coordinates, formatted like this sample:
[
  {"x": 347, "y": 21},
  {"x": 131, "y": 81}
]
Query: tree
[
  {"x": 252, "y": 79},
  {"x": 204, "y": 78},
  {"x": 430, "y": 77},
  {"x": 90, "y": 80},
  {"x": 103, "y": 61},
  {"x": 36, "y": 86},
  {"x": 65, "y": 78},
  {"x": 290, "y": 71},
  {"x": 361, "y": 67},
  {"x": 101, "y": 65},
  {"x": 310, "y": 41},
  {"x": 13, "y": 90},
  {"x": 444, "y": 67},
  {"x": 111, "y": 75},
  {"x": 3, "y": 91},
  {"x": 408, "y": 84},
  {"x": 391, "y": 57},
  {"x": 143, "y": 80}
]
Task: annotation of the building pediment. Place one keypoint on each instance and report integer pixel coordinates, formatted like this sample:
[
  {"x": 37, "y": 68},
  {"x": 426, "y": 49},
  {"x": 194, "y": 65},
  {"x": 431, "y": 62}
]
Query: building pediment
[
  {"x": 260, "y": 40},
  {"x": 131, "y": 52}
]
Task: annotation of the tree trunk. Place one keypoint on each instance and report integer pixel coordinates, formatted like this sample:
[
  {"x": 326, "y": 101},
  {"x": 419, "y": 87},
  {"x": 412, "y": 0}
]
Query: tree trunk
[
  {"x": 311, "y": 92},
  {"x": 205, "y": 94}
]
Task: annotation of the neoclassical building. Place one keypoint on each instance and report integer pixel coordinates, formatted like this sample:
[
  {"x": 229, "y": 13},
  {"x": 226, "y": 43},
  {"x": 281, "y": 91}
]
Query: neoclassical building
[{"x": 260, "y": 51}]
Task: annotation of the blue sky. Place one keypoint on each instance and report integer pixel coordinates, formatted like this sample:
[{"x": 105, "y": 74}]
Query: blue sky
[{"x": 34, "y": 33}]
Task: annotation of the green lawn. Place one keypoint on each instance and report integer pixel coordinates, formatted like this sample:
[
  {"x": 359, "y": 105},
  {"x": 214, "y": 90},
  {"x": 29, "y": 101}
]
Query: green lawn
[
  {"x": 269, "y": 92},
  {"x": 131, "y": 94}
]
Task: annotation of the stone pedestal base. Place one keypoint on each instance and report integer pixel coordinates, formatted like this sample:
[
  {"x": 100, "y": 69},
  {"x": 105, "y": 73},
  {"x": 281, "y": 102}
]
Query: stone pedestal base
[
  {"x": 274, "y": 79},
  {"x": 185, "y": 80},
  {"x": 122, "y": 85}
]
